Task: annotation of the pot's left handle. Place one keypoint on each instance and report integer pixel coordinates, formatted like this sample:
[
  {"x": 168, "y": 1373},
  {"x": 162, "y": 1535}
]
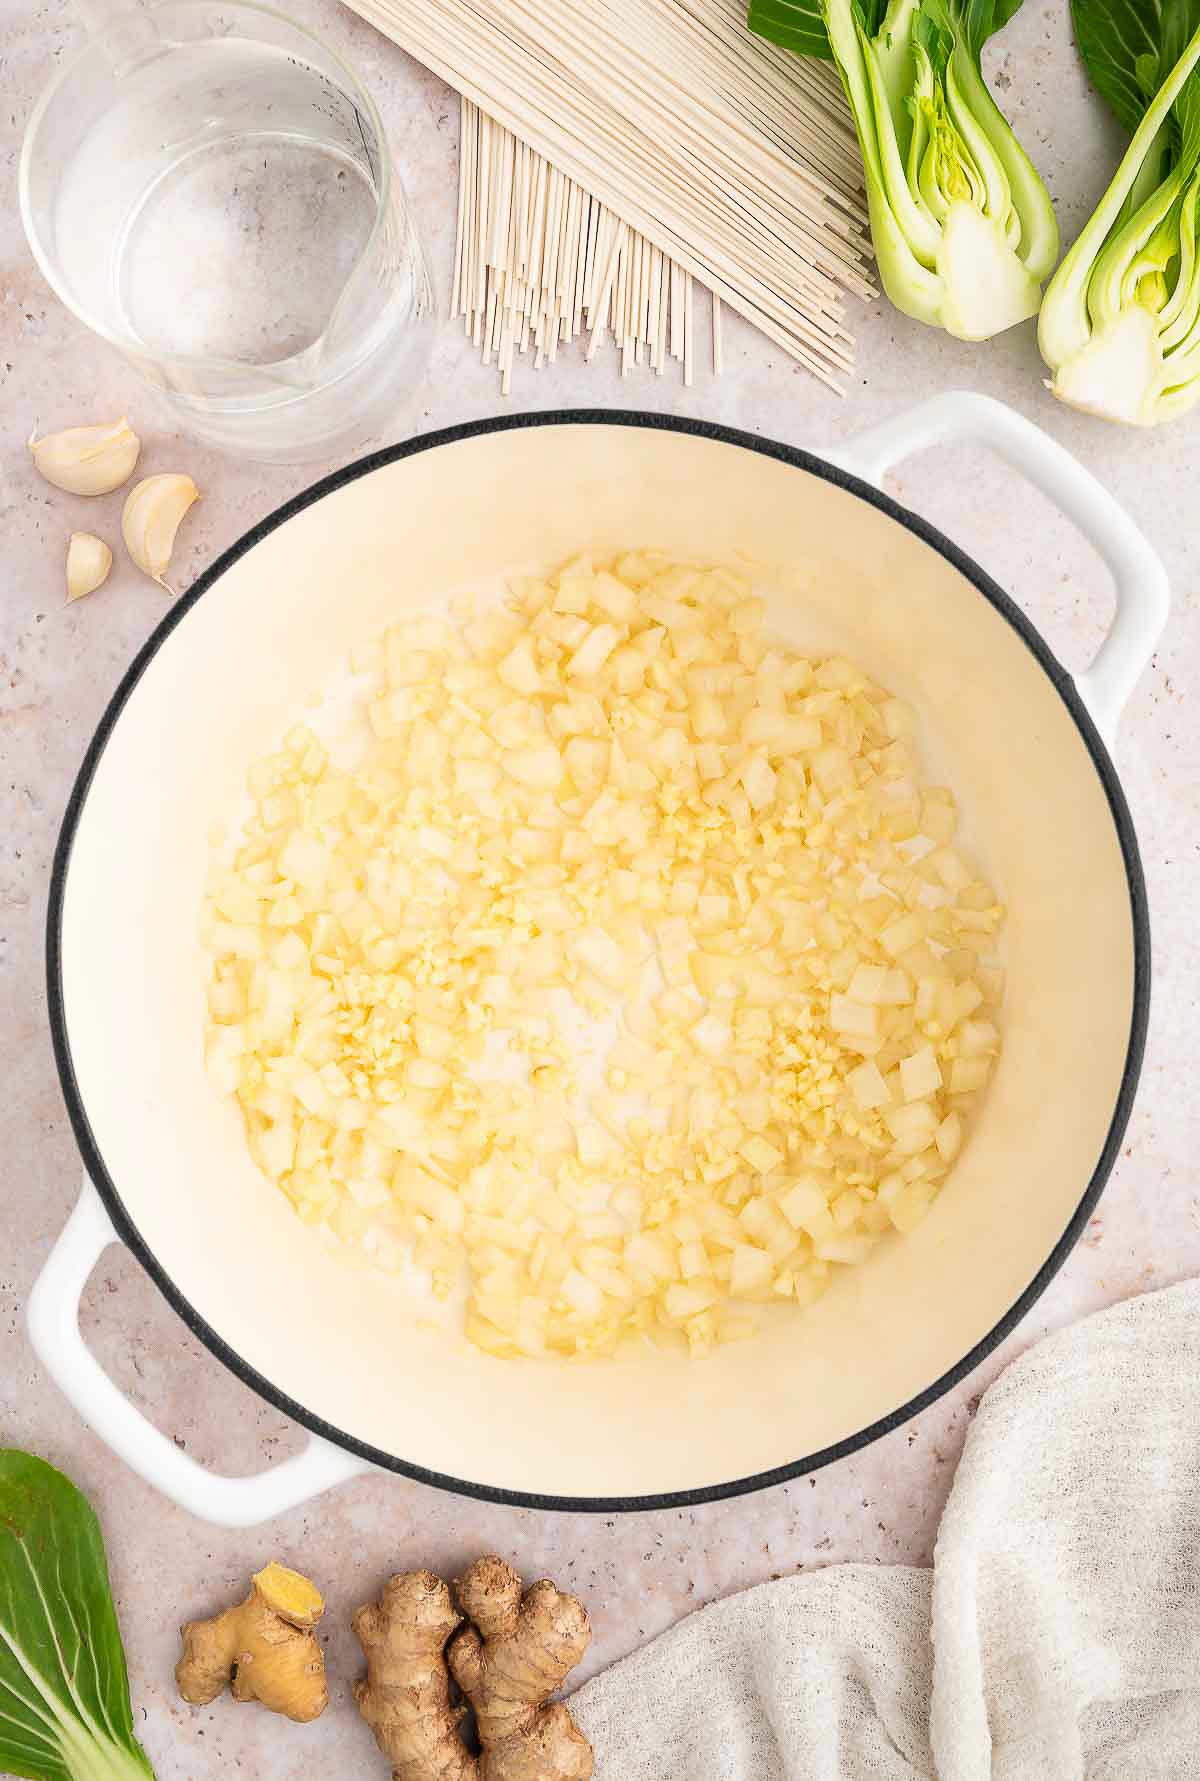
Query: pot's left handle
[
  {"x": 53, "y": 1318},
  {"x": 1140, "y": 581}
]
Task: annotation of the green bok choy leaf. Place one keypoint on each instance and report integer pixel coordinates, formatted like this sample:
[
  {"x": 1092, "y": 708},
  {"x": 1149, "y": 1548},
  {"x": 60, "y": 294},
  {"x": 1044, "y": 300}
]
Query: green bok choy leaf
[
  {"x": 963, "y": 229},
  {"x": 1120, "y": 325},
  {"x": 64, "y": 1692}
]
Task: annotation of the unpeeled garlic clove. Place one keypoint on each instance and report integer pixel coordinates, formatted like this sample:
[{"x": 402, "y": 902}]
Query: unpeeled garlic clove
[
  {"x": 151, "y": 517},
  {"x": 88, "y": 563},
  {"x": 88, "y": 460}
]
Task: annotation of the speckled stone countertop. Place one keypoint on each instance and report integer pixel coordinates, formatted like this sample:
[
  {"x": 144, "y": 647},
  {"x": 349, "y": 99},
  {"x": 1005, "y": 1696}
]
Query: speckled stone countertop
[{"x": 57, "y": 670}]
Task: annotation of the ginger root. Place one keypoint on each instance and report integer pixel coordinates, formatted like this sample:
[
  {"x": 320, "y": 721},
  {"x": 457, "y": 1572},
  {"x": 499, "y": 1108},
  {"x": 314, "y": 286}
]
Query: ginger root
[
  {"x": 405, "y": 1698},
  {"x": 517, "y": 1652},
  {"x": 265, "y": 1647}
]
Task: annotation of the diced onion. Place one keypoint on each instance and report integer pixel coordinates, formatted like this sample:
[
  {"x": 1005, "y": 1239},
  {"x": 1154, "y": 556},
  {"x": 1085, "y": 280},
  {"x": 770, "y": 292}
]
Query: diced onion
[
  {"x": 628, "y": 976},
  {"x": 920, "y": 1074}
]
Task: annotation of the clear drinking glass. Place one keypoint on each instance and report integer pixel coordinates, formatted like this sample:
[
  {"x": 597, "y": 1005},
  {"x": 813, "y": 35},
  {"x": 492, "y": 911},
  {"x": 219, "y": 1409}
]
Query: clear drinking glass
[{"x": 208, "y": 187}]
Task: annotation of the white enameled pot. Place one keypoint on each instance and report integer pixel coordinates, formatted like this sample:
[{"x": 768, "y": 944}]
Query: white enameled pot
[{"x": 225, "y": 674}]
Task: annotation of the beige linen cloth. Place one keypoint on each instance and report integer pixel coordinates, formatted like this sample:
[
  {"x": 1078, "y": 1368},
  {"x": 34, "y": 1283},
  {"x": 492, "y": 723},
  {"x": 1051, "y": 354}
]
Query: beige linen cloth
[{"x": 1056, "y": 1638}]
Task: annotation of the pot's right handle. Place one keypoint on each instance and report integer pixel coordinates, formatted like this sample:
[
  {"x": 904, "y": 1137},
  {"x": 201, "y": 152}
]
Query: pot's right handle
[
  {"x": 53, "y": 1319},
  {"x": 1142, "y": 593}
]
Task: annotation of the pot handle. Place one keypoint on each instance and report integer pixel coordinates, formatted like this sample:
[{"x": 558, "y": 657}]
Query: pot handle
[
  {"x": 53, "y": 1320},
  {"x": 1140, "y": 581}
]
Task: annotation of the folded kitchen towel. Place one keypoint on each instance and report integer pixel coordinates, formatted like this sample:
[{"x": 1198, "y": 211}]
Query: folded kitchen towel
[{"x": 1056, "y": 1638}]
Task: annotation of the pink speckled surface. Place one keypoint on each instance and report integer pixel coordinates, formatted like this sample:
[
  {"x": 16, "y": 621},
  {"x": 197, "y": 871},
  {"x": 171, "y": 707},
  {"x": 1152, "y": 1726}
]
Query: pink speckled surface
[{"x": 57, "y": 669}]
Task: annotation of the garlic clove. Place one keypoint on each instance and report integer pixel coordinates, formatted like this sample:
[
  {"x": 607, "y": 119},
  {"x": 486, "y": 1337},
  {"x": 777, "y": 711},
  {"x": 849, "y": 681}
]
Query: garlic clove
[
  {"x": 88, "y": 563},
  {"x": 151, "y": 517},
  {"x": 88, "y": 460}
]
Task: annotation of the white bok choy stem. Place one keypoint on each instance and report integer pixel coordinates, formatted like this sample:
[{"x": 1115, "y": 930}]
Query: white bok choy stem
[
  {"x": 1120, "y": 325},
  {"x": 963, "y": 229}
]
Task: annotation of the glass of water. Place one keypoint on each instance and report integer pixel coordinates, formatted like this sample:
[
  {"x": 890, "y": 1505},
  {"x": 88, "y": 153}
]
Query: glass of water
[{"x": 208, "y": 188}]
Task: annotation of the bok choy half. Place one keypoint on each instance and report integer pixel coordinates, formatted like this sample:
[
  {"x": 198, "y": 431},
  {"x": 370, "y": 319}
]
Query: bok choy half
[
  {"x": 64, "y": 1691},
  {"x": 963, "y": 229},
  {"x": 1120, "y": 326}
]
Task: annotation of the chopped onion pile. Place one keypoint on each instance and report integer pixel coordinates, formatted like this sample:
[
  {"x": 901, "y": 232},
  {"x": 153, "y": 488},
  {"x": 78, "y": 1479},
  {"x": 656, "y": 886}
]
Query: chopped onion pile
[{"x": 631, "y": 979}]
